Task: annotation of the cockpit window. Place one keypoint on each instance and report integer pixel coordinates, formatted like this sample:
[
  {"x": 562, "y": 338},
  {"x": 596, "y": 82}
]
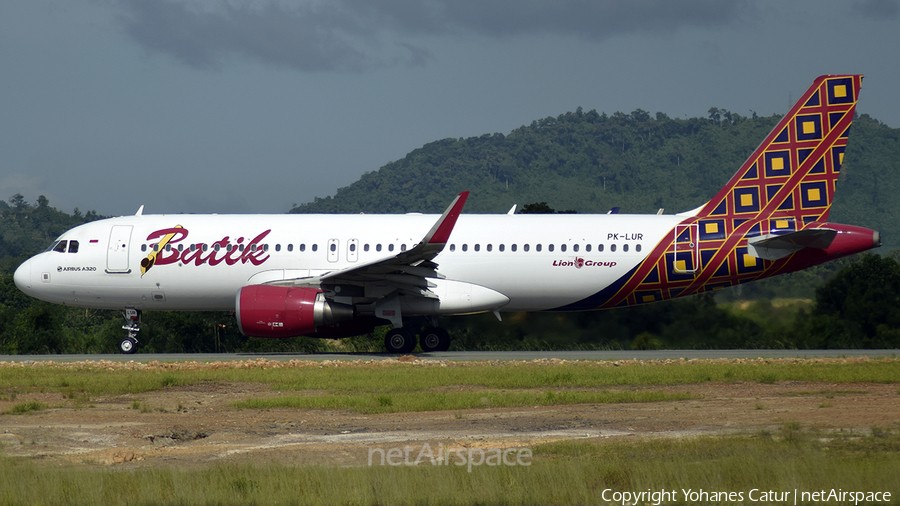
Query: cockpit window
[
  {"x": 60, "y": 246},
  {"x": 73, "y": 246}
]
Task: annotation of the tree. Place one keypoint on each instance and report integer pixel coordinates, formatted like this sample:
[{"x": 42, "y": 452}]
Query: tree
[
  {"x": 860, "y": 307},
  {"x": 18, "y": 202},
  {"x": 537, "y": 208}
]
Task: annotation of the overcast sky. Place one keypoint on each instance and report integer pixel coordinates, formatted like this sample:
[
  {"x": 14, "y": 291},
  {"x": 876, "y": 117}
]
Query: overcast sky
[{"x": 252, "y": 106}]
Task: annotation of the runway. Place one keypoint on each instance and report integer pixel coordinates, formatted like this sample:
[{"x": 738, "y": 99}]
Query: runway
[{"x": 465, "y": 355}]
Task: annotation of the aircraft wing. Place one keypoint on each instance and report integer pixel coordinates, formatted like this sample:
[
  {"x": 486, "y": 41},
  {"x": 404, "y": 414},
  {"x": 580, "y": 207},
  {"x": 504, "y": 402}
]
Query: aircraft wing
[
  {"x": 775, "y": 246},
  {"x": 406, "y": 272}
]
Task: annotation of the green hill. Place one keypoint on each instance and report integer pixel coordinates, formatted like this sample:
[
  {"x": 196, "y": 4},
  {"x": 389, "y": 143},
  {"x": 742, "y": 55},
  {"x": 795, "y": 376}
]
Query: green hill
[{"x": 592, "y": 162}]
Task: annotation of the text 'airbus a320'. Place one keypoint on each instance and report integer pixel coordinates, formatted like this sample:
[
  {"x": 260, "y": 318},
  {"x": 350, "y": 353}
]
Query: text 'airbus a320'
[{"x": 342, "y": 275}]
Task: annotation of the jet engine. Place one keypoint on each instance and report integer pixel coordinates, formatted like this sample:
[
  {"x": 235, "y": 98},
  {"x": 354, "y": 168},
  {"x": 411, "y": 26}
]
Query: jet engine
[{"x": 279, "y": 311}]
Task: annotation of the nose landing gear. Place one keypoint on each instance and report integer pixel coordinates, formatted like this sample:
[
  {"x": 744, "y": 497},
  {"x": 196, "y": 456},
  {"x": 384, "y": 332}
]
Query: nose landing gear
[{"x": 129, "y": 345}]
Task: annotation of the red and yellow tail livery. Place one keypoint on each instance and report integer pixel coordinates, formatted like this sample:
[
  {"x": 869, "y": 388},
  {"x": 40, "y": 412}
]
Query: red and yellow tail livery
[{"x": 771, "y": 216}]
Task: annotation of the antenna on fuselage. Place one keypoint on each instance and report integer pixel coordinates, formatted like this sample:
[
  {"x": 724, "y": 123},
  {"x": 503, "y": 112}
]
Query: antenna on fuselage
[{"x": 140, "y": 211}]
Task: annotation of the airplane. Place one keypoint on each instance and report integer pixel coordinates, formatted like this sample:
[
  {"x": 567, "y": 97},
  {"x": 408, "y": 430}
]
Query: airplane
[{"x": 342, "y": 275}]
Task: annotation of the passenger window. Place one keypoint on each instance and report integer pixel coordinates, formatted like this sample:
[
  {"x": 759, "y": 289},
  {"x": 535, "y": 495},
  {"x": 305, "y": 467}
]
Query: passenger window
[
  {"x": 502, "y": 247},
  {"x": 302, "y": 247},
  {"x": 180, "y": 247},
  {"x": 452, "y": 247},
  {"x": 637, "y": 248},
  {"x": 489, "y": 247},
  {"x": 587, "y": 247},
  {"x": 216, "y": 247},
  {"x": 241, "y": 248},
  {"x": 377, "y": 247},
  {"x": 624, "y": 247},
  {"x": 315, "y": 247},
  {"x": 575, "y": 248},
  {"x": 390, "y": 247},
  {"x": 562, "y": 247},
  {"x": 537, "y": 247},
  {"x": 612, "y": 247},
  {"x": 277, "y": 247},
  {"x": 143, "y": 247},
  {"x": 333, "y": 247},
  {"x": 599, "y": 247},
  {"x": 290, "y": 247},
  {"x": 465, "y": 247},
  {"x": 525, "y": 247},
  {"x": 402, "y": 247},
  {"x": 204, "y": 246},
  {"x": 169, "y": 247},
  {"x": 366, "y": 247},
  {"x": 513, "y": 248},
  {"x": 73, "y": 246},
  {"x": 477, "y": 247},
  {"x": 352, "y": 247},
  {"x": 549, "y": 247}
]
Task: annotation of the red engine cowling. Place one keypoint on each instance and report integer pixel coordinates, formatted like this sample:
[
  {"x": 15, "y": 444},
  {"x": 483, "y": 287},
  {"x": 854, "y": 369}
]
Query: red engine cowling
[{"x": 279, "y": 311}]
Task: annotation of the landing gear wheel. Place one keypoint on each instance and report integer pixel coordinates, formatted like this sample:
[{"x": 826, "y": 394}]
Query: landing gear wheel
[
  {"x": 434, "y": 339},
  {"x": 399, "y": 340},
  {"x": 128, "y": 345}
]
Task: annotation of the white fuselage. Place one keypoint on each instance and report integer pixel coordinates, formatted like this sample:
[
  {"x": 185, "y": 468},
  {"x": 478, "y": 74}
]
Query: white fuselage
[{"x": 538, "y": 262}]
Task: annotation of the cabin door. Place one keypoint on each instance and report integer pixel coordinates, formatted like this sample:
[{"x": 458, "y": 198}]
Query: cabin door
[{"x": 117, "y": 254}]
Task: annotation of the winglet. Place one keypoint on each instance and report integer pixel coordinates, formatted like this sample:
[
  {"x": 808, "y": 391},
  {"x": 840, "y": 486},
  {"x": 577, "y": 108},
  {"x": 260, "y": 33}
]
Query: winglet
[{"x": 440, "y": 232}]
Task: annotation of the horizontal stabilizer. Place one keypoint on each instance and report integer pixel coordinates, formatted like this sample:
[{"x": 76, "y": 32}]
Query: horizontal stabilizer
[{"x": 775, "y": 246}]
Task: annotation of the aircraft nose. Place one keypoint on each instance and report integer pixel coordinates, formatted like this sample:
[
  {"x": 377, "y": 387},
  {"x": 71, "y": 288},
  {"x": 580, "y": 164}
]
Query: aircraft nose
[{"x": 22, "y": 277}]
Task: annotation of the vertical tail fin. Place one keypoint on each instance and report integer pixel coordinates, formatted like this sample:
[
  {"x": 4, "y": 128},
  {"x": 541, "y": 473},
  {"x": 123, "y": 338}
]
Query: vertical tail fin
[
  {"x": 792, "y": 174},
  {"x": 787, "y": 185}
]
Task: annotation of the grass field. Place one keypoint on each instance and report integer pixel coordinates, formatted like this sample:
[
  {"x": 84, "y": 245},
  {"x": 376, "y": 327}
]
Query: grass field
[
  {"x": 793, "y": 458},
  {"x": 378, "y": 388},
  {"x": 390, "y": 377}
]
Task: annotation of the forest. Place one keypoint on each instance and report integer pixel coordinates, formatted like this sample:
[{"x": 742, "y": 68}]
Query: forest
[{"x": 581, "y": 162}]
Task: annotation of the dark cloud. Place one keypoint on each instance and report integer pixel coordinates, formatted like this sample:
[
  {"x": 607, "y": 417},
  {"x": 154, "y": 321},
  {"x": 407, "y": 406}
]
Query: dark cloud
[
  {"x": 341, "y": 35},
  {"x": 305, "y": 38},
  {"x": 596, "y": 19},
  {"x": 877, "y": 9}
]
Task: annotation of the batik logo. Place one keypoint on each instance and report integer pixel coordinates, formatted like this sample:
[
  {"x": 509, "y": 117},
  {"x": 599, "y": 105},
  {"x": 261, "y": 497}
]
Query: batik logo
[{"x": 172, "y": 248}]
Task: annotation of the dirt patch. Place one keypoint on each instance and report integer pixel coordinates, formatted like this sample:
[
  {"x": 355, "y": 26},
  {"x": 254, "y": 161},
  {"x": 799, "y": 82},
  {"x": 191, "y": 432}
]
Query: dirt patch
[{"x": 196, "y": 425}]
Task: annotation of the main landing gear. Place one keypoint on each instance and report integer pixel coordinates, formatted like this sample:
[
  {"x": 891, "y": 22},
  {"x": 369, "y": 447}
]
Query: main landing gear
[
  {"x": 129, "y": 345},
  {"x": 401, "y": 340},
  {"x": 434, "y": 339}
]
